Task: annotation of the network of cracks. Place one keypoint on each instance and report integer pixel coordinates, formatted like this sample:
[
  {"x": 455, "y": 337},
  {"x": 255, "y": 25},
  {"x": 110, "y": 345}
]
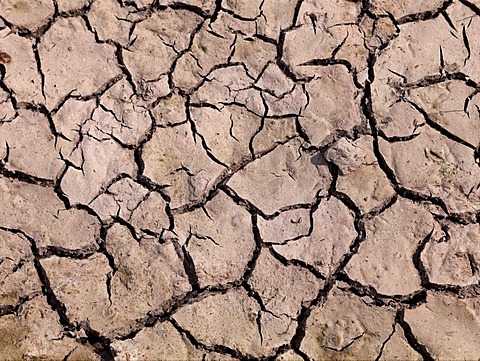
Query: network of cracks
[{"x": 229, "y": 179}]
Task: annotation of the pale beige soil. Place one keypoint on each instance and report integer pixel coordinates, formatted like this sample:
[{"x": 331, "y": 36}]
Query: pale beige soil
[{"x": 239, "y": 179}]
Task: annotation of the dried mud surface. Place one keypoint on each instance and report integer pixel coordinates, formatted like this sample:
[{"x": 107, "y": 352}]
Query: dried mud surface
[{"x": 228, "y": 179}]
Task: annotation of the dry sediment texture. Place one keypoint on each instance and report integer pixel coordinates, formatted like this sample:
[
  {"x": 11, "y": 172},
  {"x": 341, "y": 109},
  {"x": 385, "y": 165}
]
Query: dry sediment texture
[{"x": 228, "y": 179}]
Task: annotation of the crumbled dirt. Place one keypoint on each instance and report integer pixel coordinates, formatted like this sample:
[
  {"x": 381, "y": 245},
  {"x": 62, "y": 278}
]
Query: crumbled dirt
[{"x": 233, "y": 180}]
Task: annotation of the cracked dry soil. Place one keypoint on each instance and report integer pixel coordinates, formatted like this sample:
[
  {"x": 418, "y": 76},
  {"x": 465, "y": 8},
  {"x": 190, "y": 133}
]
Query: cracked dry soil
[{"x": 239, "y": 179}]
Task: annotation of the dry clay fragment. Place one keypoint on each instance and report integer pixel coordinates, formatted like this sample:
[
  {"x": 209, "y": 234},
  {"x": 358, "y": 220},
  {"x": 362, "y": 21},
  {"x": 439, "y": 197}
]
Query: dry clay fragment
[
  {"x": 415, "y": 53},
  {"x": 218, "y": 238},
  {"x": 227, "y": 132},
  {"x": 456, "y": 260},
  {"x": 384, "y": 259},
  {"x": 68, "y": 121},
  {"x": 229, "y": 85},
  {"x": 297, "y": 288},
  {"x": 26, "y": 14},
  {"x": 227, "y": 319},
  {"x": 122, "y": 114},
  {"x": 333, "y": 232},
  {"x": 346, "y": 328},
  {"x": 446, "y": 104},
  {"x": 35, "y": 333},
  {"x": 434, "y": 165},
  {"x": 66, "y": 67},
  {"x": 174, "y": 157},
  {"x": 288, "y": 225},
  {"x": 39, "y": 213},
  {"x": 110, "y": 21},
  {"x": 403, "y": 8},
  {"x": 160, "y": 37},
  {"x": 103, "y": 160},
  {"x": 161, "y": 342},
  {"x": 323, "y": 118},
  {"x": 397, "y": 348},
  {"x": 286, "y": 176},
  {"x": 31, "y": 145},
  {"x": 21, "y": 74},
  {"x": 18, "y": 276},
  {"x": 360, "y": 176},
  {"x": 207, "y": 51},
  {"x": 119, "y": 200},
  {"x": 448, "y": 327},
  {"x": 148, "y": 276},
  {"x": 71, "y": 5}
]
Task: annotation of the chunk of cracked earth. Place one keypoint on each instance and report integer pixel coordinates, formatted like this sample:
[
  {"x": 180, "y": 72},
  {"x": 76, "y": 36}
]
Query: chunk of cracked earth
[
  {"x": 18, "y": 276},
  {"x": 284, "y": 177},
  {"x": 71, "y": 5},
  {"x": 27, "y": 14},
  {"x": 398, "y": 348},
  {"x": 162, "y": 342},
  {"x": 208, "y": 50},
  {"x": 333, "y": 233},
  {"x": 288, "y": 225},
  {"x": 230, "y": 85},
  {"x": 434, "y": 165},
  {"x": 21, "y": 74},
  {"x": 415, "y": 53},
  {"x": 31, "y": 145},
  {"x": 119, "y": 200},
  {"x": 218, "y": 238},
  {"x": 148, "y": 276},
  {"x": 286, "y": 297},
  {"x": 384, "y": 259},
  {"x": 360, "y": 178},
  {"x": 35, "y": 333},
  {"x": 452, "y": 105},
  {"x": 175, "y": 158},
  {"x": 447, "y": 326},
  {"x": 162, "y": 36},
  {"x": 64, "y": 73},
  {"x": 347, "y": 327},
  {"x": 227, "y": 132},
  {"x": 322, "y": 118},
  {"x": 205, "y": 320},
  {"x": 454, "y": 260},
  {"x": 38, "y": 212},
  {"x": 402, "y": 8},
  {"x": 110, "y": 21},
  {"x": 103, "y": 160}
]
